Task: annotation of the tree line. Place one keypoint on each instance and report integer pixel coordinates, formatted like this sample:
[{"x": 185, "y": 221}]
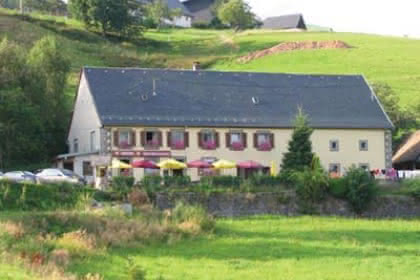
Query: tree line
[{"x": 33, "y": 106}]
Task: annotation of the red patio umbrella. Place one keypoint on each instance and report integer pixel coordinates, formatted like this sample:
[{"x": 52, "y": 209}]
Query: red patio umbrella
[
  {"x": 145, "y": 164},
  {"x": 250, "y": 164},
  {"x": 199, "y": 164}
]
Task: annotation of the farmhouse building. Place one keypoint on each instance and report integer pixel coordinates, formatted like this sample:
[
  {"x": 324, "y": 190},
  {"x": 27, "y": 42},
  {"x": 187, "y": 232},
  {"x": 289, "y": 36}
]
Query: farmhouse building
[
  {"x": 201, "y": 10},
  {"x": 154, "y": 114},
  {"x": 286, "y": 22},
  {"x": 184, "y": 20}
]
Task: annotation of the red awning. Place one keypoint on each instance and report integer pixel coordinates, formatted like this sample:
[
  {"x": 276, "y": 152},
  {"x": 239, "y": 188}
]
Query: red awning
[
  {"x": 145, "y": 164},
  {"x": 250, "y": 165},
  {"x": 199, "y": 164}
]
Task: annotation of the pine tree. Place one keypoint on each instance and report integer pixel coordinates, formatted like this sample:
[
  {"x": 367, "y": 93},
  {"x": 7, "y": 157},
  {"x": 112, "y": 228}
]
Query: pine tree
[{"x": 299, "y": 153}]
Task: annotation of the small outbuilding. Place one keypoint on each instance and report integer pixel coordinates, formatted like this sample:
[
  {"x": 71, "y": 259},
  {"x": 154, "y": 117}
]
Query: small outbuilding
[
  {"x": 408, "y": 155},
  {"x": 285, "y": 22}
]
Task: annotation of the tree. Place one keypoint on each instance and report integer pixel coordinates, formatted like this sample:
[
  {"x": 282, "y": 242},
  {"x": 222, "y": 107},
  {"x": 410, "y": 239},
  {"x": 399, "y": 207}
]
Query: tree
[
  {"x": 299, "y": 155},
  {"x": 48, "y": 75},
  {"x": 108, "y": 15},
  {"x": 237, "y": 14}
]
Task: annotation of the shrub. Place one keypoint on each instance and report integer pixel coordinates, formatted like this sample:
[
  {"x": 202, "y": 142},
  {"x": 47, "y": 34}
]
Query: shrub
[
  {"x": 27, "y": 197},
  {"x": 135, "y": 271},
  {"x": 176, "y": 181},
  {"x": 138, "y": 198},
  {"x": 265, "y": 180},
  {"x": 122, "y": 185},
  {"x": 311, "y": 186},
  {"x": 337, "y": 187},
  {"x": 222, "y": 181},
  {"x": 360, "y": 188},
  {"x": 192, "y": 218},
  {"x": 413, "y": 187}
]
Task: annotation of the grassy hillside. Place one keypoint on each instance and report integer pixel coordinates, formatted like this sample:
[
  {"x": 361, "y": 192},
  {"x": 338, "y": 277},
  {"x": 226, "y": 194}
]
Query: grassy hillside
[{"x": 395, "y": 61}]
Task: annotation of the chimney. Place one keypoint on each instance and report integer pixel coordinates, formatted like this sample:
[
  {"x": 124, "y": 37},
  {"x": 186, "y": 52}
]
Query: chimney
[{"x": 196, "y": 66}]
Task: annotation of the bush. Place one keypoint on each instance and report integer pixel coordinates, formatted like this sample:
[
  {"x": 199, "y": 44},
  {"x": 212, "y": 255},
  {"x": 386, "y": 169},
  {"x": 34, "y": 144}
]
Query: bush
[
  {"x": 360, "y": 188},
  {"x": 337, "y": 187},
  {"x": 265, "y": 180},
  {"x": 176, "y": 181},
  {"x": 192, "y": 218},
  {"x": 311, "y": 186},
  {"x": 413, "y": 187},
  {"x": 14, "y": 196},
  {"x": 122, "y": 185},
  {"x": 222, "y": 181}
]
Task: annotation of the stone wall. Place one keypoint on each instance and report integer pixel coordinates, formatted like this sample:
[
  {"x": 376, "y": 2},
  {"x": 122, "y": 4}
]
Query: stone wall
[{"x": 246, "y": 204}]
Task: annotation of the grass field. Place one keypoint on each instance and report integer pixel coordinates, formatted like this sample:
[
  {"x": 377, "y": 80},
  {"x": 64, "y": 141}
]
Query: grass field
[
  {"x": 395, "y": 61},
  {"x": 278, "y": 248}
]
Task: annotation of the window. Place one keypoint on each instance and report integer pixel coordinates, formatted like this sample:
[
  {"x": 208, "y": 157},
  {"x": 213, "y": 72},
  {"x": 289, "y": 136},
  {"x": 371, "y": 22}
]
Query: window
[
  {"x": 75, "y": 145},
  {"x": 236, "y": 141},
  {"x": 151, "y": 139},
  {"x": 334, "y": 168},
  {"x": 334, "y": 146},
  {"x": 93, "y": 141},
  {"x": 87, "y": 169},
  {"x": 177, "y": 139},
  {"x": 264, "y": 141},
  {"x": 363, "y": 145},
  {"x": 124, "y": 139},
  {"x": 364, "y": 166},
  {"x": 208, "y": 139}
]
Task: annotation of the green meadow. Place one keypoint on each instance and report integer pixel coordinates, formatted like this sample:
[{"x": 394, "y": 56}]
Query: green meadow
[{"x": 270, "y": 247}]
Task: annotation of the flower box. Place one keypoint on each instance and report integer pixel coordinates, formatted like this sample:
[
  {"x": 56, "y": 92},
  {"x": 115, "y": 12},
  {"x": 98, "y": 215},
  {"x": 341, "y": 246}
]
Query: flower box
[
  {"x": 124, "y": 145},
  {"x": 236, "y": 146},
  {"x": 209, "y": 145},
  {"x": 152, "y": 143},
  {"x": 179, "y": 145},
  {"x": 266, "y": 146}
]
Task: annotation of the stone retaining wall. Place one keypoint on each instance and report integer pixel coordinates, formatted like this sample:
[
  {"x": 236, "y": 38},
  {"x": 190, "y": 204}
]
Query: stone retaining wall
[{"x": 246, "y": 204}]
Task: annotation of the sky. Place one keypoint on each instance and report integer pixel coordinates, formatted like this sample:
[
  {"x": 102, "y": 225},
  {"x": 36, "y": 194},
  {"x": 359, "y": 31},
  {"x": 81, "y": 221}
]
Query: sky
[{"x": 386, "y": 17}]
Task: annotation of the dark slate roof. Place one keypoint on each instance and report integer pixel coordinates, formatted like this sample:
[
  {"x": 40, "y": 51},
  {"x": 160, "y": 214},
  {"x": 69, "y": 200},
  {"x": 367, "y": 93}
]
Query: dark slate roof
[
  {"x": 285, "y": 22},
  {"x": 124, "y": 96},
  {"x": 200, "y": 9}
]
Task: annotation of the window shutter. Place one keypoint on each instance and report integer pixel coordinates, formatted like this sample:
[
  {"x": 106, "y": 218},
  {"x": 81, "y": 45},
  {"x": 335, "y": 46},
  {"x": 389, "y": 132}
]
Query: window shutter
[
  {"x": 186, "y": 139},
  {"x": 160, "y": 138},
  {"x": 228, "y": 140},
  {"x": 272, "y": 140},
  {"x": 143, "y": 138},
  {"x": 116, "y": 138},
  {"x": 199, "y": 139},
  {"x": 133, "y": 138},
  {"x": 216, "y": 134},
  {"x": 168, "y": 139},
  {"x": 255, "y": 140},
  {"x": 244, "y": 140}
]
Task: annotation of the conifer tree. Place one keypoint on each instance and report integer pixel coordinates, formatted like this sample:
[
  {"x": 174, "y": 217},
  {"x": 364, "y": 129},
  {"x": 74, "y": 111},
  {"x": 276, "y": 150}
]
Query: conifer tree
[{"x": 299, "y": 154}]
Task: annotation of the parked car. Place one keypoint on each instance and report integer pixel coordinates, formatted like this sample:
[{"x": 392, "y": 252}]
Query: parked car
[
  {"x": 20, "y": 177},
  {"x": 58, "y": 175}
]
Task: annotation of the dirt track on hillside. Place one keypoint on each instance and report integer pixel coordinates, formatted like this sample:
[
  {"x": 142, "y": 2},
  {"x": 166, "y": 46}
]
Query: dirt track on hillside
[{"x": 295, "y": 46}]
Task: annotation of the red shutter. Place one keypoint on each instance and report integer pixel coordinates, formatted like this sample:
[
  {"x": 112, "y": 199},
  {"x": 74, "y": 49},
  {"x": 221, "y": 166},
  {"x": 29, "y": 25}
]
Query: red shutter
[
  {"x": 133, "y": 138},
  {"x": 142, "y": 138},
  {"x": 216, "y": 134},
  {"x": 186, "y": 139},
  {"x": 160, "y": 138},
  {"x": 199, "y": 139},
  {"x": 168, "y": 139},
  {"x": 116, "y": 138},
  {"x": 272, "y": 140},
  {"x": 228, "y": 140},
  {"x": 244, "y": 140},
  {"x": 256, "y": 140}
]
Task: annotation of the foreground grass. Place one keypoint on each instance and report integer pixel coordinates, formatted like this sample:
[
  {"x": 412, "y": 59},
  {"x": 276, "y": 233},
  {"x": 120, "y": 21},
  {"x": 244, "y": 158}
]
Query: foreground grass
[
  {"x": 382, "y": 59},
  {"x": 11, "y": 272},
  {"x": 278, "y": 248}
]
